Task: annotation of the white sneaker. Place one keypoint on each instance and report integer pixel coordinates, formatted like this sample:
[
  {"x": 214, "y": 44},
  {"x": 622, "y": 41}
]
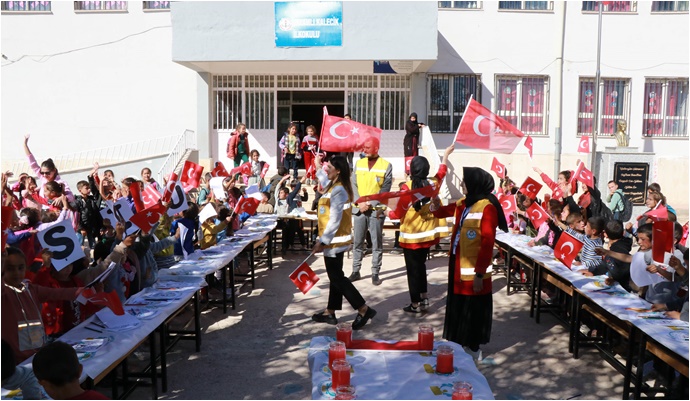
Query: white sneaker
[{"x": 476, "y": 355}]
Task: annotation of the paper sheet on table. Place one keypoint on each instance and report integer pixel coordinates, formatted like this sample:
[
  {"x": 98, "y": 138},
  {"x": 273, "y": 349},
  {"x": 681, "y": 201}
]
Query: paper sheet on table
[
  {"x": 253, "y": 191},
  {"x": 101, "y": 277},
  {"x": 113, "y": 321},
  {"x": 638, "y": 270},
  {"x": 206, "y": 212},
  {"x": 216, "y": 184}
]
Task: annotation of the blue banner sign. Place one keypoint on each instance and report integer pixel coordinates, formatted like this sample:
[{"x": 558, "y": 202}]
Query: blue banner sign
[{"x": 309, "y": 24}]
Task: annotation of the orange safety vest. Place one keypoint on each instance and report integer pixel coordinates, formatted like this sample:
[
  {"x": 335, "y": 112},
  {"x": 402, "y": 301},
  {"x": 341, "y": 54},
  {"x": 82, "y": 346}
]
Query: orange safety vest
[
  {"x": 343, "y": 236},
  {"x": 469, "y": 246}
]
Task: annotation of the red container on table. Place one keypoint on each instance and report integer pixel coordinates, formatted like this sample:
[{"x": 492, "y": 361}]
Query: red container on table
[
  {"x": 425, "y": 337},
  {"x": 340, "y": 374},
  {"x": 343, "y": 332},
  {"x": 462, "y": 391},
  {"x": 444, "y": 359},
  {"x": 336, "y": 350}
]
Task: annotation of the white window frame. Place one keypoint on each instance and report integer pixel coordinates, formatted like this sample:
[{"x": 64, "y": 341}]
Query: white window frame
[
  {"x": 163, "y": 6},
  {"x": 46, "y": 5},
  {"x": 455, "y": 5},
  {"x": 523, "y": 7},
  {"x": 518, "y": 109},
  {"x": 663, "y": 115},
  {"x": 594, "y": 10},
  {"x": 450, "y": 111},
  {"x": 99, "y": 6}
]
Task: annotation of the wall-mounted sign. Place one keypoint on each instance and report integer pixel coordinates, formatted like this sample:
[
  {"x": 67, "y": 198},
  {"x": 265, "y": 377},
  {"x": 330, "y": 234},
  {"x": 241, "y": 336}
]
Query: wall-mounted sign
[
  {"x": 632, "y": 179},
  {"x": 393, "y": 67},
  {"x": 309, "y": 24}
]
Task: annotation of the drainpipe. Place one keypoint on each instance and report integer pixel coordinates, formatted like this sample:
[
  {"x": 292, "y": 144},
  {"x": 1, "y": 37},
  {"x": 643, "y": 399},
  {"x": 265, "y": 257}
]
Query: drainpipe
[{"x": 558, "y": 145}]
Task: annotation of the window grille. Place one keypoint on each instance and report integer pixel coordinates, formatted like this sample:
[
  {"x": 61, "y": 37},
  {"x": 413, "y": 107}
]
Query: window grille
[
  {"x": 610, "y": 6},
  {"x": 614, "y": 104},
  {"x": 156, "y": 5},
  {"x": 525, "y": 5},
  {"x": 259, "y": 81},
  {"x": 293, "y": 81},
  {"x": 394, "y": 109},
  {"x": 448, "y": 97},
  {"x": 260, "y": 109},
  {"x": 362, "y": 81},
  {"x": 523, "y": 102},
  {"x": 26, "y": 6},
  {"x": 328, "y": 81},
  {"x": 100, "y": 5},
  {"x": 460, "y": 4},
  {"x": 665, "y": 111},
  {"x": 670, "y": 6},
  {"x": 361, "y": 105}
]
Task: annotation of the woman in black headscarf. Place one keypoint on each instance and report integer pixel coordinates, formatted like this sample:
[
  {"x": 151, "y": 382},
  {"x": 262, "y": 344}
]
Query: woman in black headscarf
[
  {"x": 469, "y": 306},
  {"x": 411, "y": 136},
  {"x": 420, "y": 230}
]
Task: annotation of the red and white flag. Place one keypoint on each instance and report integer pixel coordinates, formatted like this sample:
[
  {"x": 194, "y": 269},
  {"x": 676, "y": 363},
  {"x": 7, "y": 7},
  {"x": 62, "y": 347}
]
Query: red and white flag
[
  {"x": 508, "y": 203},
  {"x": 537, "y": 214},
  {"x": 264, "y": 169},
  {"x": 583, "y": 147},
  {"x": 658, "y": 214},
  {"x": 662, "y": 240},
  {"x": 582, "y": 174},
  {"x": 169, "y": 187},
  {"x": 529, "y": 144},
  {"x": 482, "y": 129},
  {"x": 191, "y": 175},
  {"x": 244, "y": 169},
  {"x": 150, "y": 196},
  {"x": 498, "y": 168},
  {"x": 408, "y": 163},
  {"x": 304, "y": 277},
  {"x": 342, "y": 135},
  {"x": 219, "y": 170},
  {"x": 247, "y": 205},
  {"x": 530, "y": 188},
  {"x": 6, "y": 218},
  {"x": 400, "y": 201},
  {"x": 148, "y": 217},
  {"x": 567, "y": 248},
  {"x": 107, "y": 299},
  {"x": 135, "y": 190},
  {"x": 310, "y": 170}
]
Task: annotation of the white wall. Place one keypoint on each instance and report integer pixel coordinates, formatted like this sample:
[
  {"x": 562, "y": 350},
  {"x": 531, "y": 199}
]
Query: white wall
[{"x": 91, "y": 96}]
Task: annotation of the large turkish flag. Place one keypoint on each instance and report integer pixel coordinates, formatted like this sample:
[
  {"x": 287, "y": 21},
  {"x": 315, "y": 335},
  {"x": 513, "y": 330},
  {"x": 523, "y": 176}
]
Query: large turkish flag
[
  {"x": 482, "y": 129},
  {"x": 341, "y": 135}
]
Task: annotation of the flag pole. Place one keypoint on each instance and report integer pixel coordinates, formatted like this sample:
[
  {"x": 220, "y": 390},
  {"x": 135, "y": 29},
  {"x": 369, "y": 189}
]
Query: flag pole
[
  {"x": 457, "y": 131},
  {"x": 303, "y": 262}
]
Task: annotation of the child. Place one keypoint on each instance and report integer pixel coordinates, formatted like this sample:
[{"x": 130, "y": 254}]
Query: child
[
  {"x": 591, "y": 239},
  {"x": 617, "y": 271},
  {"x": 185, "y": 245},
  {"x": 18, "y": 377},
  {"x": 204, "y": 190},
  {"x": 265, "y": 206},
  {"x": 209, "y": 231},
  {"x": 257, "y": 166},
  {"x": 525, "y": 224},
  {"x": 30, "y": 196},
  {"x": 274, "y": 183},
  {"x": 57, "y": 369},
  {"x": 88, "y": 204},
  {"x": 678, "y": 309},
  {"x": 563, "y": 182},
  {"x": 285, "y": 203},
  {"x": 309, "y": 146}
]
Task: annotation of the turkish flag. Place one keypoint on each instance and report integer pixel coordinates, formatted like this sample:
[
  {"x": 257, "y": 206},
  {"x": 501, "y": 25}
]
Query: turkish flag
[
  {"x": 135, "y": 189},
  {"x": 408, "y": 162},
  {"x": 582, "y": 174},
  {"x": 530, "y": 188},
  {"x": 557, "y": 193},
  {"x": 529, "y": 144},
  {"x": 247, "y": 205},
  {"x": 428, "y": 191},
  {"x": 342, "y": 135},
  {"x": 6, "y": 220},
  {"x": 662, "y": 239},
  {"x": 537, "y": 214},
  {"x": 311, "y": 168},
  {"x": 169, "y": 187},
  {"x": 191, "y": 175},
  {"x": 148, "y": 217},
  {"x": 498, "y": 168},
  {"x": 304, "y": 277},
  {"x": 264, "y": 169},
  {"x": 583, "y": 147},
  {"x": 508, "y": 203},
  {"x": 244, "y": 169},
  {"x": 482, "y": 129},
  {"x": 658, "y": 214},
  {"x": 150, "y": 196},
  {"x": 219, "y": 170},
  {"x": 108, "y": 299},
  {"x": 567, "y": 248}
]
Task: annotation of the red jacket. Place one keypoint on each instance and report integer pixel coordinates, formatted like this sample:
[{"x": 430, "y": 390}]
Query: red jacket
[{"x": 233, "y": 142}]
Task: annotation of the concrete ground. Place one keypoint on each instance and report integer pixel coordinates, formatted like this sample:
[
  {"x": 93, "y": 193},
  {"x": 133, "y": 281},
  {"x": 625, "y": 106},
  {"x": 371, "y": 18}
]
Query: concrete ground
[{"x": 259, "y": 351}]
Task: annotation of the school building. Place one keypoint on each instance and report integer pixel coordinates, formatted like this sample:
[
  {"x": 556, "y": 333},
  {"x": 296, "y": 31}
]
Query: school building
[{"x": 90, "y": 74}]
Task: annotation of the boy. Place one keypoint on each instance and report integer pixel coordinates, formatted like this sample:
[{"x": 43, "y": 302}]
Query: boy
[
  {"x": 264, "y": 206},
  {"x": 591, "y": 239},
  {"x": 274, "y": 183},
  {"x": 617, "y": 271},
  {"x": 57, "y": 369},
  {"x": 88, "y": 204}
]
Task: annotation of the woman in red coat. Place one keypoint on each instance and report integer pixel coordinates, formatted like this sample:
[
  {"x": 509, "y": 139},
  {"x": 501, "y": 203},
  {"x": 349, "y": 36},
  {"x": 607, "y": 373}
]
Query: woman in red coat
[{"x": 469, "y": 306}]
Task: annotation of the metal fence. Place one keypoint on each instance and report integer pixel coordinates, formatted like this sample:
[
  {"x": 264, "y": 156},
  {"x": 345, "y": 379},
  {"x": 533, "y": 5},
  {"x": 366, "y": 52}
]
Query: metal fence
[{"x": 184, "y": 142}]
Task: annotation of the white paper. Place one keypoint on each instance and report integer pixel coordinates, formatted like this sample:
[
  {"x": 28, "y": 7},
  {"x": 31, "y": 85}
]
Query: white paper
[
  {"x": 206, "y": 212},
  {"x": 638, "y": 271},
  {"x": 178, "y": 201},
  {"x": 216, "y": 185},
  {"x": 113, "y": 321},
  {"x": 61, "y": 240}
]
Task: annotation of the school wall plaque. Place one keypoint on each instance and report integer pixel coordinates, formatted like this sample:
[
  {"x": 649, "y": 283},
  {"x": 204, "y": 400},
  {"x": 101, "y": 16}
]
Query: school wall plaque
[{"x": 632, "y": 179}]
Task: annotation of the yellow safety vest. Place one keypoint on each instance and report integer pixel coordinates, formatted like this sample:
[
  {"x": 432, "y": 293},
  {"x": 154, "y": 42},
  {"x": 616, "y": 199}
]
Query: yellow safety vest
[
  {"x": 343, "y": 236},
  {"x": 369, "y": 182},
  {"x": 470, "y": 243},
  {"x": 419, "y": 227}
]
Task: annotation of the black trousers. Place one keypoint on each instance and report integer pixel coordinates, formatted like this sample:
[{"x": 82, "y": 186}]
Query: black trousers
[
  {"x": 415, "y": 261},
  {"x": 340, "y": 286}
]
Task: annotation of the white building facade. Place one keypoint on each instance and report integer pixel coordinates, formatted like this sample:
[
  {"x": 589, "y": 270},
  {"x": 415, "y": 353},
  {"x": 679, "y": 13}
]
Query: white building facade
[{"x": 92, "y": 73}]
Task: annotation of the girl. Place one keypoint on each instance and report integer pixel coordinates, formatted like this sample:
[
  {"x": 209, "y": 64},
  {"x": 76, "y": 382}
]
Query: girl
[
  {"x": 563, "y": 182},
  {"x": 238, "y": 145},
  {"x": 309, "y": 145},
  {"x": 147, "y": 179},
  {"x": 290, "y": 146},
  {"x": 257, "y": 166},
  {"x": 185, "y": 245}
]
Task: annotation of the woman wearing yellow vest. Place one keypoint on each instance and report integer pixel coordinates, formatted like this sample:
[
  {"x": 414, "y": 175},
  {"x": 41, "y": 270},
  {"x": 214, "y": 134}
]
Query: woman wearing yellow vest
[
  {"x": 469, "y": 305},
  {"x": 335, "y": 236},
  {"x": 420, "y": 230}
]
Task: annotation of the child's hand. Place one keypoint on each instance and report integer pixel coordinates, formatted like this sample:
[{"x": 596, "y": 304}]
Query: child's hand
[
  {"x": 659, "y": 307},
  {"x": 609, "y": 281},
  {"x": 652, "y": 268},
  {"x": 601, "y": 251},
  {"x": 674, "y": 262},
  {"x": 531, "y": 243},
  {"x": 586, "y": 273}
]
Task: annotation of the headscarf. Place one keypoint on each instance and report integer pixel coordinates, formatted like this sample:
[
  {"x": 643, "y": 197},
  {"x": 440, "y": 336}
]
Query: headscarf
[
  {"x": 480, "y": 184},
  {"x": 413, "y": 115},
  {"x": 419, "y": 171}
]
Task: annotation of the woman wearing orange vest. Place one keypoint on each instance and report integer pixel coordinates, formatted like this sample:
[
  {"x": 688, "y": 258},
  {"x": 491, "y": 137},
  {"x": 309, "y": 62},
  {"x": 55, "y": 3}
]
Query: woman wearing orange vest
[
  {"x": 469, "y": 307},
  {"x": 420, "y": 230},
  {"x": 335, "y": 236}
]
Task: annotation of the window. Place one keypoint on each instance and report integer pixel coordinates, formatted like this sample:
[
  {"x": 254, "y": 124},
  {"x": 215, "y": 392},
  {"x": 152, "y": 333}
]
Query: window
[
  {"x": 394, "y": 101},
  {"x": 448, "y": 97},
  {"x": 156, "y": 5},
  {"x": 31, "y": 6},
  {"x": 665, "y": 108},
  {"x": 460, "y": 4},
  {"x": 100, "y": 5},
  {"x": 522, "y": 102},
  {"x": 525, "y": 5},
  {"x": 611, "y": 6},
  {"x": 613, "y": 105},
  {"x": 670, "y": 6}
]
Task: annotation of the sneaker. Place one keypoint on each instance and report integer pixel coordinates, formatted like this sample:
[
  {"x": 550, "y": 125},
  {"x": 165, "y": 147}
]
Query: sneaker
[
  {"x": 424, "y": 304},
  {"x": 397, "y": 251},
  {"x": 354, "y": 277},
  {"x": 412, "y": 309},
  {"x": 321, "y": 318},
  {"x": 476, "y": 355},
  {"x": 360, "y": 320},
  {"x": 376, "y": 280}
]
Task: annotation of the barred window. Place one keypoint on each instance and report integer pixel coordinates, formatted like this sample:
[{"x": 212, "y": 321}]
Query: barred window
[
  {"x": 522, "y": 101},
  {"x": 460, "y": 4},
  {"x": 448, "y": 97},
  {"x": 260, "y": 108},
  {"x": 395, "y": 105},
  {"x": 30, "y": 6},
  {"x": 614, "y": 104},
  {"x": 665, "y": 111},
  {"x": 100, "y": 5},
  {"x": 610, "y": 6},
  {"x": 525, "y": 5},
  {"x": 156, "y": 5},
  {"x": 361, "y": 104},
  {"x": 670, "y": 6}
]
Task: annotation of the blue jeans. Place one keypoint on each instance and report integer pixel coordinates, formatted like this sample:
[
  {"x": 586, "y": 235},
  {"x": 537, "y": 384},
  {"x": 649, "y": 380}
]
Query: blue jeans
[
  {"x": 24, "y": 379},
  {"x": 291, "y": 163}
]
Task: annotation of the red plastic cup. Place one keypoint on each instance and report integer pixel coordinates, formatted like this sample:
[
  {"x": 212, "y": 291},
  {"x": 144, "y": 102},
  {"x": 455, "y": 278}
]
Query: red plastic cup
[
  {"x": 336, "y": 350},
  {"x": 340, "y": 374},
  {"x": 344, "y": 333},
  {"x": 444, "y": 359},
  {"x": 425, "y": 337},
  {"x": 462, "y": 391}
]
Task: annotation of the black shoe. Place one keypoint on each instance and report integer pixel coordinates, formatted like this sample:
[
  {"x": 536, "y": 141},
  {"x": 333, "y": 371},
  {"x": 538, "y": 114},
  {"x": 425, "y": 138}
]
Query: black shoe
[
  {"x": 424, "y": 304},
  {"x": 354, "y": 277},
  {"x": 412, "y": 309},
  {"x": 321, "y": 318},
  {"x": 376, "y": 280},
  {"x": 360, "y": 320},
  {"x": 397, "y": 251}
]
